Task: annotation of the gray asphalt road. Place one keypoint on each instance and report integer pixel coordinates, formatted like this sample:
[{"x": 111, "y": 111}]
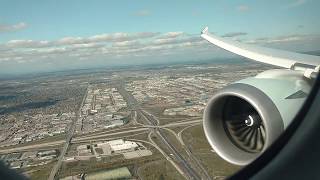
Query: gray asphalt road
[
  {"x": 133, "y": 104},
  {"x": 63, "y": 152},
  {"x": 184, "y": 165},
  {"x": 120, "y": 133}
]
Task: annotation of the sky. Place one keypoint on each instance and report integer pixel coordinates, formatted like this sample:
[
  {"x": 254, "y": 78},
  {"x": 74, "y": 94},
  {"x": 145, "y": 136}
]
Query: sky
[{"x": 43, "y": 35}]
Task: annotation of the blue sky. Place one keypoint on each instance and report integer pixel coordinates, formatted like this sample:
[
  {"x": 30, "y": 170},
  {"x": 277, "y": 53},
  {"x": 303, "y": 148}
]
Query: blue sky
[{"x": 42, "y": 35}]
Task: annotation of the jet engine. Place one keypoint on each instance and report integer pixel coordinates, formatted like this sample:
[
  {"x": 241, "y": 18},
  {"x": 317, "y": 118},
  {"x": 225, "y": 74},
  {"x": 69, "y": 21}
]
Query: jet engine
[{"x": 243, "y": 119}]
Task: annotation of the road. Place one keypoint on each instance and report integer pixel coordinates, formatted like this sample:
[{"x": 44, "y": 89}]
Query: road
[
  {"x": 188, "y": 150},
  {"x": 87, "y": 137},
  {"x": 69, "y": 135},
  {"x": 151, "y": 125},
  {"x": 75, "y": 140},
  {"x": 183, "y": 164},
  {"x": 132, "y": 103}
]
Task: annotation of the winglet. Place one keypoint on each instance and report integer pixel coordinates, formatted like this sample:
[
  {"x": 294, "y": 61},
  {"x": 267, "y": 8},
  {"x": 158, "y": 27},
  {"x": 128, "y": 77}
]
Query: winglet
[{"x": 205, "y": 30}]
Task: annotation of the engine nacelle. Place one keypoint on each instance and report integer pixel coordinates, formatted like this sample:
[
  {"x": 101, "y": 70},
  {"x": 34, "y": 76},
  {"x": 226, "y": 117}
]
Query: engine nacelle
[{"x": 244, "y": 118}]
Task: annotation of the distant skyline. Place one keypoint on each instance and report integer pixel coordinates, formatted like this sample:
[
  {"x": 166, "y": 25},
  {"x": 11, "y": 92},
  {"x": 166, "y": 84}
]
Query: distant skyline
[{"x": 42, "y": 35}]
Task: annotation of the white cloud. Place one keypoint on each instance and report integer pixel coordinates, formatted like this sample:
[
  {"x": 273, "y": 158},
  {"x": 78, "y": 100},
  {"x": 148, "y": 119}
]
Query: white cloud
[
  {"x": 27, "y": 44},
  {"x": 278, "y": 39},
  {"x": 242, "y": 8},
  {"x": 143, "y": 12},
  {"x": 117, "y": 45},
  {"x": 169, "y": 37},
  {"x": 172, "y": 34},
  {"x": 296, "y": 3},
  {"x": 13, "y": 27},
  {"x": 82, "y": 41},
  {"x": 86, "y": 45},
  {"x": 191, "y": 39},
  {"x": 115, "y": 37},
  {"x": 101, "y": 45},
  {"x": 109, "y": 37},
  {"x": 126, "y": 43},
  {"x": 234, "y": 34},
  {"x": 71, "y": 40}
]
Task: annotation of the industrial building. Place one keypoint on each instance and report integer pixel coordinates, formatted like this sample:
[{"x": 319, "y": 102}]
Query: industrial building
[{"x": 120, "y": 146}]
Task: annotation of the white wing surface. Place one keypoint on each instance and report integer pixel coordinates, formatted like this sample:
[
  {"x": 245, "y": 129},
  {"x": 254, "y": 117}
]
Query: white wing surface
[{"x": 275, "y": 57}]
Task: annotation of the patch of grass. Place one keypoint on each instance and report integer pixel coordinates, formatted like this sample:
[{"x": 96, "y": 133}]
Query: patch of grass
[
  {"x": 142, "y": 136},
  {"x": 196, "y": 141},
  {"x": 159, "y": 170},
  {"x": 108, "y": 162},
  {"x": 40, "y": 172}
]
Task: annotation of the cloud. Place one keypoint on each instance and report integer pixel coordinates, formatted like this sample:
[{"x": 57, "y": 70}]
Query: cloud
[
  {"x": 296, "y": 3},
  {"x": 169, "y": 37},
  {"x": 71, "y": 40},
  {"x": 125, "y": 48},
  {"x": 119, "y": 37},
  {"x": 82, "y": 41},
  {"x": 13, "y": 27},
  {"x": 188, "y": 39},
  {"x": 133, "y": 43},
  {"x": 86, "y": 45},
  {"x": 243, "y": 8},
  {"x": 234, "y": 34},
  {"x": 279, "y": 39},
  {"x": 172, "y": 34},
  {"x": 143, "y": 13},
  {"x": 100, "y": 46},
  {"x": 294, "y": 42},
  {"x": 116, "y": 45},
  {"x": 27, "y": 43}
]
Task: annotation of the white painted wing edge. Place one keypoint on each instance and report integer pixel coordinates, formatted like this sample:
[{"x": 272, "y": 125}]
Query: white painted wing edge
[{"x": 275, "y": 57}]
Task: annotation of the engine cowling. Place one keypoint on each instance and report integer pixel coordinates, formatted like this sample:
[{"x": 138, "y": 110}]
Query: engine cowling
[{"x": 243, "y": 119}]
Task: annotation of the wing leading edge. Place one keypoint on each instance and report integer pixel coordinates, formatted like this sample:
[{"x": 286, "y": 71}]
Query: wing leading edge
[{"x": 285, "y": 59}]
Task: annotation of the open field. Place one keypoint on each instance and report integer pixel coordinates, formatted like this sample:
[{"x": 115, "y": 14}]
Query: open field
[
  {"x": 40, "y": 172},
  {"x": 92, "y": 165},
  {"x": 161, "y": 170},
  {"x": 195, "y": 139}
]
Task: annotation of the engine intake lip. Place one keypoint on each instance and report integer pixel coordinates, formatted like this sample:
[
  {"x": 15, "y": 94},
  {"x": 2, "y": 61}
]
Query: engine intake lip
[{"x": 215, "y": 129}]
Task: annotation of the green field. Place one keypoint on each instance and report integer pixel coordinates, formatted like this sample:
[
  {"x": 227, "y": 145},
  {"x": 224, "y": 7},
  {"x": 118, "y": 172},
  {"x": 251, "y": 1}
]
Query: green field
[
  {"x": 118, "y": 173},
  {"x": 159, "y": 170},
  {"x": 196, "y": 141}
]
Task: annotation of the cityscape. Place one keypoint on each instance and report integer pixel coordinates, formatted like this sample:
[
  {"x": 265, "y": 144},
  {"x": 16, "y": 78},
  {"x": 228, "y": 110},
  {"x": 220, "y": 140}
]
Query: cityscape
[
  {"x": 128, "y": 123},
  {"x": 159, "y": 90}
]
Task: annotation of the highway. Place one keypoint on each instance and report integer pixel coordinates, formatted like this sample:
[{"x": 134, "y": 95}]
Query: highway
[
  {"x": 151, "y": 124},
  {"x": 188, "y": 150},
  {"x": 32, "y": 147},
  {"x": 121, "y": 133},
  {"x": 69, "y": 135},
  {"x": 188, "y": 171},
  {"x": 87, "y": 137}
]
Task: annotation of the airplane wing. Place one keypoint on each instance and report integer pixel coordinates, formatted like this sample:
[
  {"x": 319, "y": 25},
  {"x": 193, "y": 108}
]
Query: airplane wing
[{"x": 291, "y": 60}]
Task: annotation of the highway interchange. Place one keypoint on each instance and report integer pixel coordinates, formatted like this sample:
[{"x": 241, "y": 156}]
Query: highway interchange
[
  {"x": 188, "y": 168},
  {"x": 183, "y": 165}
]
